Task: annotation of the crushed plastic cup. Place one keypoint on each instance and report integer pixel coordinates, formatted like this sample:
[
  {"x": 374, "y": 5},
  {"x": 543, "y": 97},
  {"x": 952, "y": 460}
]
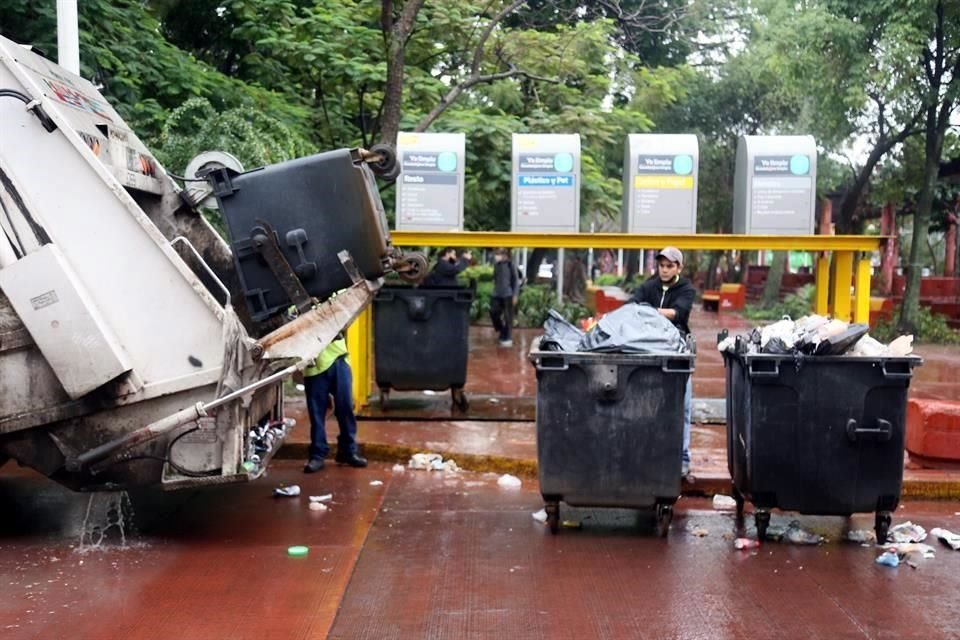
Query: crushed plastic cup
[
  {"x": 287, "y": 492},
  {"x": 746, "y": 543},
  {"x": 724, "y": 502},
  {"x": 324, "y": 498},
  {"x": 540, "y": 516},
  {"x": 376, "y": 483},
  {"x": 318, "y": 506},
  {"x": 508, "y": 481}
]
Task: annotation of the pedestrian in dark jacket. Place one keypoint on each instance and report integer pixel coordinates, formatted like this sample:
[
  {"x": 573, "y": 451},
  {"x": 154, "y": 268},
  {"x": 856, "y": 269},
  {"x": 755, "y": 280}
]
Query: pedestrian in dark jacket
[
  {"x": 444, "y": 273},
  {"x": 506, "y": 289},
  {"x": 672, "y": 295}
]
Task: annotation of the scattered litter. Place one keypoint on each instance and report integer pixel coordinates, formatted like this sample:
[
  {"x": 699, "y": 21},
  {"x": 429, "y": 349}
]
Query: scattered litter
[
  {"x": 746, "y": 543},
  {"x": 540, "y": 516},
  {"x": 902, "y": 346},
  {"x": 399, "y": 468},
  {"x": 297, "y": 551},
  {"x": 905, "y": 548},
  {"x": 494, "y": 400},
  {"x": 323, "y": 498},
  {"x": 431, "y": 462},
  {"x": 508, "y": 481},
  {"x": 301, "y": 388},
  {"x": 724, "y": 502},
  {"x": 700, "y": 532},
  {"x": 907, "y": 532},
  {"x": 572, "y": 524},
  {"x": 865, "y": 537},
  {"x": 775, "y": 532},
  {"x": 318, "y": 506},
  {"x": 888, "y": 559},
  {"x": 289, "y": 492},
  {"x": 376, "y": 483},
  {"x": 948, "y": 538},
  {"x": 795, "y": 534}
]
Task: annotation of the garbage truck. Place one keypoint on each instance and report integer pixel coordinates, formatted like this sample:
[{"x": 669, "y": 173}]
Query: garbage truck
[{"x": 138, "y": 346}]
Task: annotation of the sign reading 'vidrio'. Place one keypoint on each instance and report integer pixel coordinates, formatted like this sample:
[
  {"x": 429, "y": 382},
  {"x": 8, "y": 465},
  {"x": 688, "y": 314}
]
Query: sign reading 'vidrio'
[
  {"x": 660, "y": 183},
  {"x": 545, "y": 191},
  {"x": 430, "y": 185},
  {"x": 775, "y": 185}
]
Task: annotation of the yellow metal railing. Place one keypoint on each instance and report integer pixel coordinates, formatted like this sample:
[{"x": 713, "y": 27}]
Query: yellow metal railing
[{"x": 846, "y": 250}]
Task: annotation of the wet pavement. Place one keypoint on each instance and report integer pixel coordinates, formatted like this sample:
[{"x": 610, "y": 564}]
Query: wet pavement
[{"x": 434, "y": 555}]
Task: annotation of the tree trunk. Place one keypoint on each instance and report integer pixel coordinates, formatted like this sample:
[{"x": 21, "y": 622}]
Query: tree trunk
[
  {"x": 771, "y": 290},
  {"x": 910, "y": 311},
  {"x": 533, "y": 263},
  {"x": 710, "y": 280},
  {"x": 395, "y": 33}
]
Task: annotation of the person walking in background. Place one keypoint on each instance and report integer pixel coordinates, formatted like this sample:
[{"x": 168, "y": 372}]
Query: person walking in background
[{"x": 506, "y": 290}]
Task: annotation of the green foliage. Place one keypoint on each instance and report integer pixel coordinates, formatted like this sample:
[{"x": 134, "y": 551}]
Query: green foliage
[
  {"x": 608, "y": 280},
  {"x": 478, "y": 273},
  {"x": 532, "y": 308},
  {"x": 932, "y": 328},
  {"x": 254, "y": 137},
  {"x": 795, "y": 305}
]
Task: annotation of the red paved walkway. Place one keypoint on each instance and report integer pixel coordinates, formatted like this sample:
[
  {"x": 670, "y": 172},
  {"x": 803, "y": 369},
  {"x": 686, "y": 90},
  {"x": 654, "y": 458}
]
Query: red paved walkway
[{"x": 428, "y": 555}]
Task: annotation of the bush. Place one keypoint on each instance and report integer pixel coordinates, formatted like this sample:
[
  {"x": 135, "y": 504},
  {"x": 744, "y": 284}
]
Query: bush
[
  {"x": 608, "y": 280},
  {"x": 796, "y": 305},
  {"x": 932, "y": 328},
  {"x": 532, "y": 308},
  {"x": 479, "y": 273}
]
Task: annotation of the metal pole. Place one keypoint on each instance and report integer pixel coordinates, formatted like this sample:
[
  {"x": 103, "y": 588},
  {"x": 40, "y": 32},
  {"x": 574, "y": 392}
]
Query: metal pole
[
  {"x": 560, "y": 276},
  {"x": 619, "y": 262},
  {"x": 523, "y": 259},
  {"x": 590, "y": 256},
  {"x": 68, "y": 36}
]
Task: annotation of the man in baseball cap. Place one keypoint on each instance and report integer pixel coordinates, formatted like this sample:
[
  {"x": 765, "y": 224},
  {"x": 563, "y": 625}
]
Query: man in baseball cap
[{"x": 672, "y": 295}]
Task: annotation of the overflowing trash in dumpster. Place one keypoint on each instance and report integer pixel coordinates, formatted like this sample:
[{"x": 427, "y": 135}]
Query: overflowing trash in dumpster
[
  {"x": 632, "y": 328},
  {"x": 815, "y": 335}
]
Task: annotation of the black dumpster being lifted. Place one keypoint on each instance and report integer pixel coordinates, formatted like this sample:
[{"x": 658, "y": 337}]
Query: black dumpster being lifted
[
  {"x": 817, "y": 434},
  {"x": 420, "y": 340},
  {"x": 610, "y": 430}
]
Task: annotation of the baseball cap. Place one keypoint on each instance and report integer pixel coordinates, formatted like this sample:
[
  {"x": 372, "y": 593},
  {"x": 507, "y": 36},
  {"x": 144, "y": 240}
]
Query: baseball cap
[{"x": 672, "y": 254}]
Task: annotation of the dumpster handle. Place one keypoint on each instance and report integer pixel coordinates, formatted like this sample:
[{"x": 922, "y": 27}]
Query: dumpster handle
[
  {"x": 665, "y": 367},
  {"x": 384, "y": 296},
  {"x": 549, "y": 364},
  {"x": 463, "y": 296},
  {"x": 882, "y": 432},
  {"x": 764, "y": 373},
  {"x": 895, "y": 375}
]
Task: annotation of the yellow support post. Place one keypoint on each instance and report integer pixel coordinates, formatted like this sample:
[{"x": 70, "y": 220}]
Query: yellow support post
[
  {"x": 841, "y": 285},
  {"x": 861, "y": 308},
  {"x": 823, "y": 285},
  {"x": 361, "y": 357}
]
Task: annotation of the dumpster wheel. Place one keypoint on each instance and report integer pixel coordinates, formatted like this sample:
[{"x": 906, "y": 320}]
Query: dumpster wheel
[
  {"x": 552, "y": 507},
  {"x": 882, "y": 526},
  {"x": 459, "y": 399},
  {"x": 664, "y": 518},
  {"x": 762, "y": 520}
]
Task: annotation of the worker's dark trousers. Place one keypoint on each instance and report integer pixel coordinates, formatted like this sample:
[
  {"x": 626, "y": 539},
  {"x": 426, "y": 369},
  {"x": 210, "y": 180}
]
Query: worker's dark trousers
[{"x": 338, "y": 382}]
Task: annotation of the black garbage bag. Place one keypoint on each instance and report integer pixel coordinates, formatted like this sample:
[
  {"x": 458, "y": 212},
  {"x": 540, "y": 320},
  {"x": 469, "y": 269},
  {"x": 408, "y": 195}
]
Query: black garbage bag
[
  {"x": 559, "y": 335},
  {"x": 634, "y": 328}
]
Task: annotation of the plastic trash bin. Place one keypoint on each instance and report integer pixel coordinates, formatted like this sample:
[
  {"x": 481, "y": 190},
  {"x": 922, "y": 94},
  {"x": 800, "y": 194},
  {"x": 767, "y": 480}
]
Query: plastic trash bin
[
  {"x": 421, "y": 340},
  {"x": 610, "y": 430},
  {"x": 817, "y": 434},
  {"x": 319, "y": 205}
]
